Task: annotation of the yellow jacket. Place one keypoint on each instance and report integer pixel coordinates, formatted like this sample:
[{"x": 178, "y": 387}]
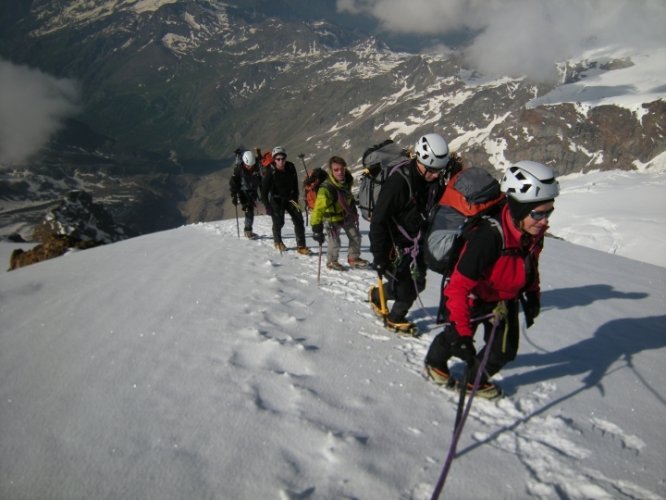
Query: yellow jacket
[{"x": 332, "y": 197}]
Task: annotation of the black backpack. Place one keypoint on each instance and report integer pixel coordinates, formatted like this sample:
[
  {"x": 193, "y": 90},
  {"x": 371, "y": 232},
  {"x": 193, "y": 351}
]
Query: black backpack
[{"x": 380, "y": 161}]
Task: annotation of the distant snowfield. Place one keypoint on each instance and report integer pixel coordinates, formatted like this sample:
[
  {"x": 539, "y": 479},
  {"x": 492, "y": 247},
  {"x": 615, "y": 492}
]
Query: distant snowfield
[
  {"x": 618, "y": 212},
  {"x": 641, "y": 82}
]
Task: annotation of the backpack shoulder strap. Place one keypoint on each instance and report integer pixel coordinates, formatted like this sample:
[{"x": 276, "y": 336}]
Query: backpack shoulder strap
[
  {"x": 333, "y": 191},
  {"x": 400, "y": 169},
  {"x": 498, "y": 226}
]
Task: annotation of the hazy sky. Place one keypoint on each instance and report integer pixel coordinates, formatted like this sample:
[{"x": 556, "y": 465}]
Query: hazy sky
[
  {"x": 32, "y": 107},
  {"x": 517, "y": 37}
]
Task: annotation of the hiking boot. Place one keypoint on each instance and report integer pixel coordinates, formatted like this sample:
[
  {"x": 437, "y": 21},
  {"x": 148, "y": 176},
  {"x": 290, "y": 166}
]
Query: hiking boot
[
  {"x": 250, "y": 235},
  {"x": 357, "y": 263},
  {"x": 440, "y": 377},
  {"x": 487, "y": 390},
  {"x": 304, "y": 251},
  {"x": 403, "y": 326},
  {"x": 280, "y": 246},
  {"x": 335, "y": 266},
  {"x": 373, "y": 298}
]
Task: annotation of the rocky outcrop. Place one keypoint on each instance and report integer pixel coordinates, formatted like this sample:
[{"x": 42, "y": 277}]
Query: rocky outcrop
[{"x": 77, "y": 223}]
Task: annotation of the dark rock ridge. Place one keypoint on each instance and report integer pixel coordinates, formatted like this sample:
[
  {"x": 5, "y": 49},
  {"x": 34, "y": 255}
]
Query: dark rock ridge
[{"x": 77, "y": 223}]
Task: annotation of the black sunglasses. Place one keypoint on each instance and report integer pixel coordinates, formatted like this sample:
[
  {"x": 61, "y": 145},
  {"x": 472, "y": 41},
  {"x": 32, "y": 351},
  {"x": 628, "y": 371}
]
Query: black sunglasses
[
  {"x": 434, "y": 170},
  {"x": 541, "y": 214},
  {"x": 280, "y": 158}
]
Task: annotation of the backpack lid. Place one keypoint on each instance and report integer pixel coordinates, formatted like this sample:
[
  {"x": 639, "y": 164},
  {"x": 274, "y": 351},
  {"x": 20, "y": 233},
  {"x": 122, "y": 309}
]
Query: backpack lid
[
  {"x": 472, "y": 191},
  {"x": 385, "y": 154}
]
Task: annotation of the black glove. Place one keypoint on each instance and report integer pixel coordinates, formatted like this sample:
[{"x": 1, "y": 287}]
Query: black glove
[
  {"x": 531, "y": 306},
  {"x": 380, "y": 266},
  {"x": 234, "y": 200},
  {"x": 318, "y": 233},
  {"x": 463, "y": 347}
]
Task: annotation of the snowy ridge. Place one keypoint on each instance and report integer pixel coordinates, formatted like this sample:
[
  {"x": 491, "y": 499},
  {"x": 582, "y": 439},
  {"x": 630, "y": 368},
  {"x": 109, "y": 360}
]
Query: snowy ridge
[
  {"x": 641, "y": 81},
  {"x": 78, "y": 12},
  {"x": 192, "y": 363},
  {"x": 247, "y": 60}
]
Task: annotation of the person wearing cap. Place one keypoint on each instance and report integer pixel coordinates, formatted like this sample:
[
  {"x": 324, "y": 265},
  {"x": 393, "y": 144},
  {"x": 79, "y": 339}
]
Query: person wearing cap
[
  {"x": 279, "y": 193},
  {"x": 397, "y": 229},
  {"x": 244, "y": 187},
  {"x": 496, "y": 269}
]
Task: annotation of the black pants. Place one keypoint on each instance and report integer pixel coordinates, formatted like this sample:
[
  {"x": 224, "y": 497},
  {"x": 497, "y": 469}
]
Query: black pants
[
  {"x": 502, "y": 350},
  {"x": 278, "y": 209},
  {"x": 248, "y": 208},
  {"x": 403, "y": 287}
]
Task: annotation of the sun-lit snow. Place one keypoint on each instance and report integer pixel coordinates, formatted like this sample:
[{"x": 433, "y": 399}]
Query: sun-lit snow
[
  {"x": 65, "y": 14},
  {"x": 192, "y": 363},
  {"x": 628, "y": 87},
  {"x": 140, "y": 6},
  {"x": 617, "y": 212},
  {"x": 480, "y": 136}
]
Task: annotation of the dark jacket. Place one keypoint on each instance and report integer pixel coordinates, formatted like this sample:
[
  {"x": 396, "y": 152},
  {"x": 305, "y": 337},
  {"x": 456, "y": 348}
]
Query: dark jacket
[
  {"x": 244, "y": 183},
  {"x": 280, "y": 187},
  {"x": 403, "y": 203},
  {"x": 492, "y": 269}
]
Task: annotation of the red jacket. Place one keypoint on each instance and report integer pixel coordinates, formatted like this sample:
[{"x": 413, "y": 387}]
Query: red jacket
[{"x": 488, "y": 273}]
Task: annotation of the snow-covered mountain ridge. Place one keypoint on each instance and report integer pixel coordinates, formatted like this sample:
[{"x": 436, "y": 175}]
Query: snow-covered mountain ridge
[
  {"x": 248, "y": 64},
  {"x": 192, "y": 81}
]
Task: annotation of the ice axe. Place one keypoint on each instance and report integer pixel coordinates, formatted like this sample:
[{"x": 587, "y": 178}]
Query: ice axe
[{"x": 382, "y": 299}]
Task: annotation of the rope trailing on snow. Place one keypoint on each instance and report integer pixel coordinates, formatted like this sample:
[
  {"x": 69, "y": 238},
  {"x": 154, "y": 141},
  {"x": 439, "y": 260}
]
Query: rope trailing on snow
[{"x": 460, "y": 421}]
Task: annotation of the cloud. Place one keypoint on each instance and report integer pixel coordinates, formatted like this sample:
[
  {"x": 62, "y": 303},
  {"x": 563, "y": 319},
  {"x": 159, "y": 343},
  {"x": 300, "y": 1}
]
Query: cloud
[
  {"x": 524, "y": 37},
  {"x": 32, "y": 107}
]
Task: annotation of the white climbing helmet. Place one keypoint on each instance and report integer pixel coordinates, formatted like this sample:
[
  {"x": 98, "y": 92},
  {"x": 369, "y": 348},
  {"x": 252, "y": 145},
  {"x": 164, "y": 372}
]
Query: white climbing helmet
[
  {"x": 432, "y": 151},
  {"x": 528, "y": 181},
  {"x": 249, "y": 158},
  {"x": 279, "y": 150}
]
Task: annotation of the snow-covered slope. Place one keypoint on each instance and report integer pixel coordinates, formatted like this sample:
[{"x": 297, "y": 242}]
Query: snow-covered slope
[{"x": 193, "y": 364}]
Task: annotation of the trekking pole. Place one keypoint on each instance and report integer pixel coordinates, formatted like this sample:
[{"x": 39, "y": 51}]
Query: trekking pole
[
  {"x": 237, "y": 225},
  {"x": 307, "y": 176},
  {"x": 305, "y": 168},
  {"x": 462, "y": 417},
  {"x": 321, "y": 250}
]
